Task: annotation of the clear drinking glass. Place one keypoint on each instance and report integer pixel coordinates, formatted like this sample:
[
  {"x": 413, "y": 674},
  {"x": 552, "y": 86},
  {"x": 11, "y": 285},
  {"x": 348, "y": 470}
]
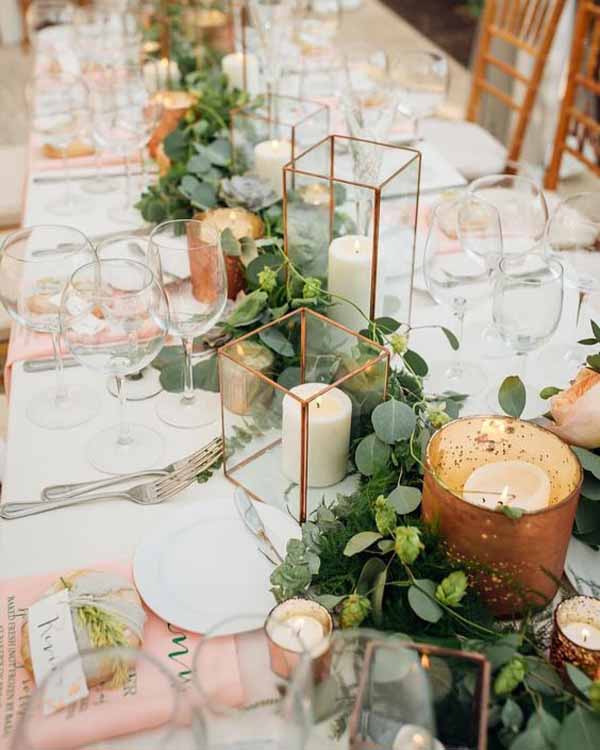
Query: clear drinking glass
[
  {"x": 49, "y": 30},
  {"x": 114, "y": 318},
  {"x": 272, "y": 20},
  {"x": 527, "y": 305},
  {"x": 100, "y": 184},
  {"x": 141, "y": 705},
  {"x": 242, "y": 702},
  {"x": 460, "y": 279},
  {"x": 59, "y": 111},
  {"x": 125, "y": 116},
  {"x": 35, "y": 266},
  {"x": 187, "y": 256},
  {"x": 423, "y": 79},
  {"x": 573, "y": 239}
]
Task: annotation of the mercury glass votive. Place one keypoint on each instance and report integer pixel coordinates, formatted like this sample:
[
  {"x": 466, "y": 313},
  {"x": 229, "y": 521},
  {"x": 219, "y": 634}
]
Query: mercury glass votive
[
  {"x": 297, "y": 627},
  {"x": 576, "y": 635},
  {"x": 512, "y": 530}
]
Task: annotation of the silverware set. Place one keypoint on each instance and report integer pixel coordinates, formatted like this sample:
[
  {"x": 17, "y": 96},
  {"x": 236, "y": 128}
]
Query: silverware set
[{"x": 173, "y": 479}]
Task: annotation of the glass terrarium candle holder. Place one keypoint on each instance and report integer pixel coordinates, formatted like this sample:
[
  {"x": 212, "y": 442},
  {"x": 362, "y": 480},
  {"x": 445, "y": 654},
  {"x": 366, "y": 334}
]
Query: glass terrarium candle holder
[
  {"x": 266, "y": 137},
  {"x": 503, "y": 493},
  {"x": 295, "y": 394},
  {"x": 350, "y": 209},
  {"x": 576, "y": 635}
]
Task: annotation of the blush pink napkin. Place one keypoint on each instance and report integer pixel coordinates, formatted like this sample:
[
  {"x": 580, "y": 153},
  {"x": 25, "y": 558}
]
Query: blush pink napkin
[
  {"x": 172, "y": 647},
  {"x": 25, "y": 344}
]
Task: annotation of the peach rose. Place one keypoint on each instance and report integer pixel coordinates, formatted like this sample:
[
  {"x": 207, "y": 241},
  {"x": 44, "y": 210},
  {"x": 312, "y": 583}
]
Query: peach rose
[{"x": 576, "y": 411}]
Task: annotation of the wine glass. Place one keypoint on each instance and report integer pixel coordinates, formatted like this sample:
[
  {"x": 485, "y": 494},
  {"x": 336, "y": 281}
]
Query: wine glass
[
  {"x": 527, "y": 305},
  {"x": 573, "y": 239},
  {"x": 125, "y": 116},
  {"x": 423, "y": 79},
  {"x": 272, "y": 20},
  {"x": 145, "y": 383},
  {"x": 59, "y": 111},
  {"x": 141, "y": 704},
  {"x": 459, "y": 278},
  {"x": 114, "y": 318},
  {"x": 49, "y": 26},
  {"x": 187, "y": 257},
  {"x": 35, "y": 266},
  {"x": 258, "y": 708}
]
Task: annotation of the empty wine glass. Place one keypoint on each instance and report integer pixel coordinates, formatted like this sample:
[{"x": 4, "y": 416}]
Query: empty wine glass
[
  {"x": 49, "y": 30},
  {"x": 459, "y": 278},
  {"x": 187, "y": 257},
  {"x": 423, "y": 79},
  {"x": 114, "y": 318},
  {"x": 35, "y": 266},
  {"x": 59, "y": 109},
  {"x": 272, "y": 20},
  {"x": 573, "y": 239},
  {"x": 527, "y": 305}
]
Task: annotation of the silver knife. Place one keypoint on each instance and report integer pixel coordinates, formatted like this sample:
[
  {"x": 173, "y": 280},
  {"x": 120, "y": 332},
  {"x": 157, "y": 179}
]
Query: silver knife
[
  {"x": 252, "y": 520},
  {"x": 44, "y": 365}
]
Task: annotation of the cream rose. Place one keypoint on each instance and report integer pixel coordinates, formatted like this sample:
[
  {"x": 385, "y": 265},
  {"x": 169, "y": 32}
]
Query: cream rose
[{"x": 576, "y": 411}]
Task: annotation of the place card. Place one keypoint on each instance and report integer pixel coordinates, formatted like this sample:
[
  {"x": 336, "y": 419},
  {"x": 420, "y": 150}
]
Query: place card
[{"x": 52, "y": 641}]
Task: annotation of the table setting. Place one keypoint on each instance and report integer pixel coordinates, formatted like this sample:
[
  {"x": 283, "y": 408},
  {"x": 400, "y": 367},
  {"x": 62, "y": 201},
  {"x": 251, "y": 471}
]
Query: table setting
[{"x": 303, "y": 443}]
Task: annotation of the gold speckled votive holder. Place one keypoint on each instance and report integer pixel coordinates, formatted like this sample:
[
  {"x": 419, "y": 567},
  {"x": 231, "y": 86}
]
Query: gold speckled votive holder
[{"x": 565, "y": 648}]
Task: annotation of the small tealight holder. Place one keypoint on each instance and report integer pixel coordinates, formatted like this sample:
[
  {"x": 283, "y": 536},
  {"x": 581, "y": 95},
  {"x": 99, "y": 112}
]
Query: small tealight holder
[
  {"x": 503, "y": 494},
  {"x": 350, "y": 208},
  {"x": 208, "y": 25},
  {"x": 266, "y": 137},
  {"x": 295, "y": 393},
  {"x": 297, "y": 627},
  {"x": 576, "y": 635}
]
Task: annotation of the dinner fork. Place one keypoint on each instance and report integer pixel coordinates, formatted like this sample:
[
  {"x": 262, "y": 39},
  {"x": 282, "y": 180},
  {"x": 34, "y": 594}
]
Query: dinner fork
[
  {"x": 148, "y": 493},
  {"x": 64, "y": 491}
]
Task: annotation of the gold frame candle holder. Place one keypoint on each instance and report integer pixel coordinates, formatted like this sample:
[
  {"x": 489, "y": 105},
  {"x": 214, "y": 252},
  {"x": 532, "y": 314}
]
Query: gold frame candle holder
[
  {"x": 476, "y": 465},
  {"x": 288, "y": 422},
  {"x": 576, "y": 635},
  {"x": 456, "y": 725},
  {"x": 295, "y": 628},
  {"x": 265, "y": 138},
  {"x": 350, "y": 208}
]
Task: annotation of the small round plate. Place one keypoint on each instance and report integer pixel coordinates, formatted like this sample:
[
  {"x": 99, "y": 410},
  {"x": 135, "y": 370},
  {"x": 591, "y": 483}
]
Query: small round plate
[{"x": 203, "y": 565}]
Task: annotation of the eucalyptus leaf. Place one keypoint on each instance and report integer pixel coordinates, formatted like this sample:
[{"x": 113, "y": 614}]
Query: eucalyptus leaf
[
  {"x": 416, "y": 363},
  {"x": 512, "y": 715},
  {"x": 596, "y": 330},
  {"x": 198, "y": 164},
  {"x": 371, "y": 455},
  {"x": 548, "y": 392},
  {"x": 201, "y": 194},
  {"x": 377, "y": 597},
  {"x": 175, "y": 145},
  {"x": 590, "y": 461},
  {"x": 258, "y": 264},
  {"x": 219, "y": 152},
  {"x": 452, "y": 339},
  {"x": 248, "y": 309},
  {"x": 386, "y": 545},
  {"x": 421, "y": 598},
  {"x": 405, "y": 499},
  {"x": 329, "y": 601},
  {"x": 360, "y": 542},
  {"x": 387, "y": 325},
  {"x": 531, "y": 739},
  {"x": 275, "y": 340},
  {"x": 229, "y": 244},
  {"x": 393, "y": 421},
  {"x": 546, "y": 723},
  {"x": 591, "y": 488},
  {"x": 579, "y": 679},
  {"x": 512, "y": 396},
  {"x": 587, "y": 516},
  {"x": 580, "y": 730},
  {"x": 368, "y": 575},
  {"x": 542, "y": 677},
  {"x": 593, "y": 362}
]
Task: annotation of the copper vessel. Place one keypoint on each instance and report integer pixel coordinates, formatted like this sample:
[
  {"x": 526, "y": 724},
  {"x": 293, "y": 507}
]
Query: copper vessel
[{"x": 515, "y": 563}]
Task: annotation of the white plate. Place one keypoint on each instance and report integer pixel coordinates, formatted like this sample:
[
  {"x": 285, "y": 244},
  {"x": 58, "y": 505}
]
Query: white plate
[{"x": 203, "y": 565}]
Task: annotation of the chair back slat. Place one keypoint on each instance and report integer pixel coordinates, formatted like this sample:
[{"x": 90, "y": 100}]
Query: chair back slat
[{"x": 578, "y": 130}]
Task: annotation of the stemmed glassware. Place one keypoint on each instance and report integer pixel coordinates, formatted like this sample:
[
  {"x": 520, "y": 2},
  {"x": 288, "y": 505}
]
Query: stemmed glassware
[
  {"x": 527, "y": 306},
  {"x": 59, "y": 110},
  {"x": 49, "y": 29},
  {"x": 423, "y": 79},
  {"x": 272, "y": 21},
  {"x": 462, "y": 248},
  {"x": 114, "y": 318},
  {"x": 35, "y": 266},
  {"x": 573, "y": 239},
  {"x": 187, "y": 257}
]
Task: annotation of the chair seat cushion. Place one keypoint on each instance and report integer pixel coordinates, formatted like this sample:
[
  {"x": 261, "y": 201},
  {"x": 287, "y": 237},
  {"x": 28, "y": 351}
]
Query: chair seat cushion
[
  {"x": 13, "y": 169},
  {"x": 467, "y": 146}
]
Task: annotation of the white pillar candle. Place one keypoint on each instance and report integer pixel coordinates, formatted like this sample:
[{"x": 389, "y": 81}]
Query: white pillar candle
[
  {"x": 518, "y": 484},
  {"x": 583, "y": 634},
  {"x": 298, "y": 634},
  {"x": 233, "y": 67},
  {"x": 270, "y": 157},
  {"x": 329, "y": 421},
  {"x": 414, "y": 737},
  {"x": 349, "y": 276},
  {"x": 160, "y": 74}
]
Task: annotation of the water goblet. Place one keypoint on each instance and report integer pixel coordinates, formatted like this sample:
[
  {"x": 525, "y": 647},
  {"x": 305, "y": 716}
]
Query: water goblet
[
  {"x": 35, "y": 266},
  {"x": 114, "y": 318},
  {"x": 187, "y": 256},
  {"x": 49, "y": 25}
]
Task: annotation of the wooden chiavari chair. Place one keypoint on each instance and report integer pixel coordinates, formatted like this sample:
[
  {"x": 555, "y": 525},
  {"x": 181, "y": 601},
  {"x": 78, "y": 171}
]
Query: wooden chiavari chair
[{"x": 578, "y": 130}]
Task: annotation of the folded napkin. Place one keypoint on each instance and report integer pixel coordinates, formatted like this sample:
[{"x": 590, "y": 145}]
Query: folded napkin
[
  {"x": 39, "y": 162},
  {"x": 25, "y": 344},
  {"x": 97, "y": 718}
]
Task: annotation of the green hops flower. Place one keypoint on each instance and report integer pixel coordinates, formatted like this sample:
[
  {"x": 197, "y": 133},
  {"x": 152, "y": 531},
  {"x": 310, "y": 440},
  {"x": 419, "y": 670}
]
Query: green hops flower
[
  {"x": 437, "y": 416},
  {"x": 385, "y": 516},
  {"x": 399, "y": 343},
  {"x": 408, "y": 543},
  {"x": 452, "y": 589},
  {"x": 354, "y": 610},
  {"x": 510, "y": 676},
  {"x": 312, "y": 288},
  {"x": 267, "y": 278},
  {"x": 594, "y": 695}
]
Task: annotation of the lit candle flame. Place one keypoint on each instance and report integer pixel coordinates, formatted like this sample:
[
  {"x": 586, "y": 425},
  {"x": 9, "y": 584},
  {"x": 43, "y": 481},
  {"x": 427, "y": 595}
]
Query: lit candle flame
[
  {"x": 164, "y": 62},
  {"x": 425, "y": 663},
  {"x": 585, "y": 634},
  {"x": 505, "y": 495}
]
